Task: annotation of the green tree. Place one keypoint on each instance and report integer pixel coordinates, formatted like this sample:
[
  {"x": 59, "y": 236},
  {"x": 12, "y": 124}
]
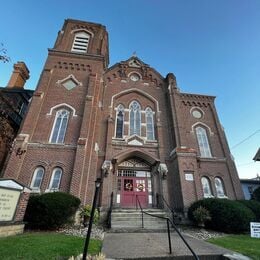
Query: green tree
[{"x": 3, "y": 54}]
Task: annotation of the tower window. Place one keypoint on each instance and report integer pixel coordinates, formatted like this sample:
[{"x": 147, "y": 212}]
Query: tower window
[
  {"x": 37, "y": 178},
  {"x": 120, "y": 122},
  {"x": 135, "y": 118},
  {"x": 59, "y": 127},
  {"x": 149, "y": 124},
  {"x": 203, "y": 142},
  {"x": 80, "y": 43}
]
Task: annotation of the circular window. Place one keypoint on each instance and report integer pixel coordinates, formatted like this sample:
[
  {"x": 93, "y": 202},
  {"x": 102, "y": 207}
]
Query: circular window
[
  {"x": 197, "y": 114},
  {"x": 134, "y": 77}
]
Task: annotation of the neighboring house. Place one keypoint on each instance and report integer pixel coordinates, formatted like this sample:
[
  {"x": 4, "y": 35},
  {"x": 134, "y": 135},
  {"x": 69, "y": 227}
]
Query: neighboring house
[
  {"x": 257, "y": 155},
  {"x": 249, "y": 185},
  {"x": 126, "y": 123},
  {"x": 14, "y": 100}
]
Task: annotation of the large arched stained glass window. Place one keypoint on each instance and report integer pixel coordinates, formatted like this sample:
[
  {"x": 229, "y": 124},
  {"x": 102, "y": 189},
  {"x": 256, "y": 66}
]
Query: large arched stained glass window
[
  {"x": 135, "y": 118},
  {"x": 120, "y": 122},
  {"x": 203, "y": 142},
  {"x": 149, "y": 124},
  {"x": 60, "y": 126},
  {"x": 207, "y": 192}
]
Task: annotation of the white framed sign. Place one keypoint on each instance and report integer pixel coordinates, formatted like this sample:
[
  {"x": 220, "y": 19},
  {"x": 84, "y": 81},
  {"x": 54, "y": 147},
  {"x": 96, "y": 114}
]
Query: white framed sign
[
  {"x": 255, "y": 229},
  {"x": 8, "y": 202}
]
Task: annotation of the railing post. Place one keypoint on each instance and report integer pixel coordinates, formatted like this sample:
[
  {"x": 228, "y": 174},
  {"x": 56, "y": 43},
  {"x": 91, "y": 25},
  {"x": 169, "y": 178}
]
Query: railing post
[
  {"x": 169, "y": 236},
  {"x": 142, "y": 219}
]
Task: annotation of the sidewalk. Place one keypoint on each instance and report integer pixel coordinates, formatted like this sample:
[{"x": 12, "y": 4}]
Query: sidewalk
[{"x": 155, "y": 246}]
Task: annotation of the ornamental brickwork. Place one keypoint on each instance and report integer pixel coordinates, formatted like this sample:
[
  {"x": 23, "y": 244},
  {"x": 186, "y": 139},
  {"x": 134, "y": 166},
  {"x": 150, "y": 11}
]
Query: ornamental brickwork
[{"x": 168, "y": 130}]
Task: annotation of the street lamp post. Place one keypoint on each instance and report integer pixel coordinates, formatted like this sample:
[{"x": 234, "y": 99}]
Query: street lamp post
[{"x": 97, "y": 187}]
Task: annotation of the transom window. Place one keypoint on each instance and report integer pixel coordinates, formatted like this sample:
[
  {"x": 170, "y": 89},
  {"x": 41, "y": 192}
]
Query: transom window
[
  {"x": 207, "y": 192},
  {"x": 135, "y": 118},
  {"x": 55, "y": 179},
  {"x": 37, "y": 178},
  {"x": 219, "y": 187},
  {"x": 60, "y": 126},
  {"x": 81, "y": 41},
  {"x": 203, "y": 142}
]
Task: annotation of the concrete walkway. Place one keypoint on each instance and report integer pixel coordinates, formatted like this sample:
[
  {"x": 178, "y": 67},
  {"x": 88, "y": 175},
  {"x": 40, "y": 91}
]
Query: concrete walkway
[{"x": 155, "y": 246}]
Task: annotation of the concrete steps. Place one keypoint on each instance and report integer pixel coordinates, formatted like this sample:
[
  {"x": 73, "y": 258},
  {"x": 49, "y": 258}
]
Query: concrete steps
[{"x": 131, "y": 219}]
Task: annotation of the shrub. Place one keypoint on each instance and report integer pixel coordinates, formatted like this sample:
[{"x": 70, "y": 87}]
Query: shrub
[
  {"x": 50, "y": 210},
  {"x": 256, "y": 194},
  {"x": 254, "y": 206},
  {"x": 85, "y": 213},
  {"x": 201, "y": 215},
  {"x": 226, "y": 215}
]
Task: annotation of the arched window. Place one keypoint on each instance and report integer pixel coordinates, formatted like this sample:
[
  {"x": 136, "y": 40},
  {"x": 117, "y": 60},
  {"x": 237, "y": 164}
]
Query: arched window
[
  {"x": 203, "y": 142},
  {"x": 80, "y": 43},
  {"x": 120, "y": 122},
  {"x": 219, "y": 187},
  {"x": 37, "y": 178},
  {"x": 135, "y": 118},
  {"x": 149, "y": 124},
  {"x": 207, "y": 193},
  {"x": 55, "y": 179},
  {"x": 59, "y": 127}
]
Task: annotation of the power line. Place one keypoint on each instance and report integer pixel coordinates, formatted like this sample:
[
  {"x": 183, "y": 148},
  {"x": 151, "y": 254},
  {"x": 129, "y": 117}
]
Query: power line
[
  {"x": 244, "y": 164},
  {"x": 241, "y": 142}
]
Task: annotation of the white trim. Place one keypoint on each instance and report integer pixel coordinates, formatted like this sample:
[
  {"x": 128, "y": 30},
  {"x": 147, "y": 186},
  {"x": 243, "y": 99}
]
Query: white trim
[
  {"x": 82, "y": 30},
  {"x": 197, "y": 108},
  {"x": 135, "y": 90},
  {"x": 72, "y": 77},
  {"x": 200, "y": 123},
  {"x": 63, "y": 105},
  {"x": 134, "y": 72}
]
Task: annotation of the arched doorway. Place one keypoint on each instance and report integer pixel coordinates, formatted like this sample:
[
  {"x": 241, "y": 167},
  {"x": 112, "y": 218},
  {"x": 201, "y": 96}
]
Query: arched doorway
[{"x": 134, "y": 182}]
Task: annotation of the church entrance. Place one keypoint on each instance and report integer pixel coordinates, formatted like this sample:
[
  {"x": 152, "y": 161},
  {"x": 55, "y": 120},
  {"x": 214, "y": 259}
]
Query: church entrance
[{"x": 134, "y": 183}]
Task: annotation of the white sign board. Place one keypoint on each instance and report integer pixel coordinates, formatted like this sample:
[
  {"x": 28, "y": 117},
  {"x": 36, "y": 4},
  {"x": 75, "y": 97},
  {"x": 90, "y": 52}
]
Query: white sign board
[
  {"x": 255, "y": 229},
  {"x": 8, "y": 202},
  {"x": 189, "y": 177}
]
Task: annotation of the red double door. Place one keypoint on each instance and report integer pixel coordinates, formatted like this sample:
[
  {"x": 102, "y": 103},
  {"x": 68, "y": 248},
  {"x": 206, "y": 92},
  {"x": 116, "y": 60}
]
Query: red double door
[{"x": 133, "y": 187}]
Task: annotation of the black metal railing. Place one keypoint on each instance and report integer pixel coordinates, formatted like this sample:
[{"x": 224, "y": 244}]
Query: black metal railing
[
  {"x": 173, "y": 213},
  {"x": 109, "y": 214},
  {"x": 168, "y": 228}
]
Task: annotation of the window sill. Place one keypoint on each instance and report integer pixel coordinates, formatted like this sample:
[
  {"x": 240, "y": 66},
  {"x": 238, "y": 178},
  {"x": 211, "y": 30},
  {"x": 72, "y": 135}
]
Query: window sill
[
  {"x": 51, "y": 190},
  {"x": 34, "y": 190},
  {"x": 222, "y": 197}
]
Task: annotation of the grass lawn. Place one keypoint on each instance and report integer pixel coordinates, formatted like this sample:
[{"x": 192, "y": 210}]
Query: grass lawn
[
  {"x": 39, "y": 245},
  {"x": 243, "y": 244}
]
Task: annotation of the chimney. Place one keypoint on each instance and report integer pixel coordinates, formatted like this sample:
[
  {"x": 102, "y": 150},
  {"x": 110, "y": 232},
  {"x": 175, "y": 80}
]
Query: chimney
[{"x": 19, "y": 76}]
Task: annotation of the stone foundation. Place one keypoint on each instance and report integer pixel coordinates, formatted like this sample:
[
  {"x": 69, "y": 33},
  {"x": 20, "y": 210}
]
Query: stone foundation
[{"x": 11, "y": 229}]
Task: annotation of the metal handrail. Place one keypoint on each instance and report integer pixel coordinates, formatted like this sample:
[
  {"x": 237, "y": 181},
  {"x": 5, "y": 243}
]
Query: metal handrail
[
  {"x": 168, "y": 228},
  {"x": 109, "y": 214},
  {"x": 168, "y": 206}
]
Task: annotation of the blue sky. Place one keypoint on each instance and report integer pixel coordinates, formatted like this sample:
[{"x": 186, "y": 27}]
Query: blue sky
[{"x": 212, "y": 46}]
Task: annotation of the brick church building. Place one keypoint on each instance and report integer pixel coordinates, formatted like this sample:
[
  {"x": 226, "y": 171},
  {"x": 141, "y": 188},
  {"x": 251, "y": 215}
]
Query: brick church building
[{"x": 126, "y": 123}]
